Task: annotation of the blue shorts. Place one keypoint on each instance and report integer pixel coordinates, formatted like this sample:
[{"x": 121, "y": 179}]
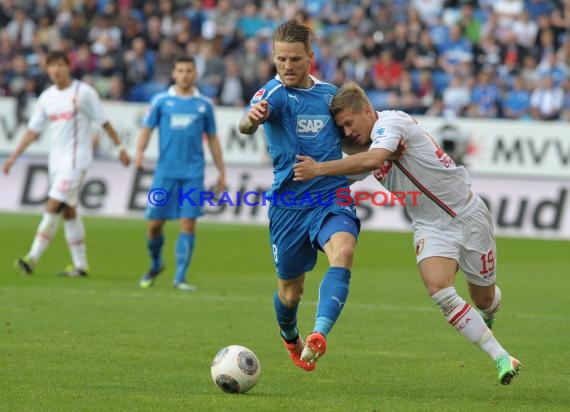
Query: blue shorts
[
  {"x": 297, "y": 234},
  {"x": 173, "y": 207}
]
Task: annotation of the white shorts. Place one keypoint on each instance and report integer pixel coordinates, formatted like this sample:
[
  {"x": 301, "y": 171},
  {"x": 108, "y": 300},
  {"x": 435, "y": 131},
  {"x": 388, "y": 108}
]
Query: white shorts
[
  {"x": 468, "y": 239},
  {"x": 64, "y": 186}
]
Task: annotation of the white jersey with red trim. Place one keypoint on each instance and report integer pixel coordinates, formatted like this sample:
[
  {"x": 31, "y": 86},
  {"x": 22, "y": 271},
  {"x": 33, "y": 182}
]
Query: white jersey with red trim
[
  {"x": 68, "y": 114},
  {"x": 424, "y": 168}
]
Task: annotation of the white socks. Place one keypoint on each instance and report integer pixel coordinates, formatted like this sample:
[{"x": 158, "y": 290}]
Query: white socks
[
  {"x": 75, "y": 237},
  {"x": 45, "y": 233},
  {"x": 467, "y": 321}
]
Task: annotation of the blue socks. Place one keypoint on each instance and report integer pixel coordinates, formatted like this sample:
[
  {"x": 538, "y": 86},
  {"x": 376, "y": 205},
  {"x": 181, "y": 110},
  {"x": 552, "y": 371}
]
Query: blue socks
[
  {"x": 184, "y": 248},
  {"x": 332, "y": 297},
  {"x": 286, "y": 318},
  {"x": 155, "y": 251}
]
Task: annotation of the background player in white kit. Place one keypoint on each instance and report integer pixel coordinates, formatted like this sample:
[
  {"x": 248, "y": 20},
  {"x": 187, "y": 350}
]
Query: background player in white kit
[
  {"x": 452, "y": 226},
  {"x": 67, "y": 108}
]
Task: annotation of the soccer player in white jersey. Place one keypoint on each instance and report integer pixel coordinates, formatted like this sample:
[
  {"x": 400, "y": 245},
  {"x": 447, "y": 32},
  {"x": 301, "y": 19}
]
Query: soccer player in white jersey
[
  {"x": 452, "y": 226},
  {"x": 67, "y": 109}
]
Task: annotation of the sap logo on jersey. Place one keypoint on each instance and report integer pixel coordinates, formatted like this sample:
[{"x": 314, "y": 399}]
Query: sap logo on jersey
[
  {"x": 310, "y": 126},
  {"x": 181, "y": 121}
]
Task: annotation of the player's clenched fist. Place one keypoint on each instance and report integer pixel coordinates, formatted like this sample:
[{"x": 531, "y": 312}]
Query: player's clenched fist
[{"x": 258, "y": 113}]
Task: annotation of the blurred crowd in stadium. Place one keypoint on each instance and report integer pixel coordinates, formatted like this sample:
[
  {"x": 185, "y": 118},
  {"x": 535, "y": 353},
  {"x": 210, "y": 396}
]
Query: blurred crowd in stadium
[{"x": 476, "y": 58}]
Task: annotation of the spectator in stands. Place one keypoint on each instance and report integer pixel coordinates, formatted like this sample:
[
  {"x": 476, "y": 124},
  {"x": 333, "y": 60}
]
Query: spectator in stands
[
  {"x": 455, "y": 50},
  {"x": 152, "y": 34},
  {"x": 529, "y": 73},
  {"x": 387, "y": 71},
  {"x": 82, "y": 61},
  {"x": 21, "y": 29},
  {"x": 424, "y": 55},
  {"x": 225, "y": 18},
  {"x": 104, "y": 36},
  {"x": 485, "y": 95},
  {"x": 511, "y": 55},
  {"x": 139, "y": 62},
  {"x": 231, "y": 91},
  {"x": 525, "y": 30},
  {"x": 566, "y": 108},
  {"x": 417, "y": 42},
  {"x": 516, "y": 101},
  {"x": 456, "y": 98},
  {"x": 552, "y": 67},
  {"x": 164, "y": 61},
  {"x": 547, "y": 100},
  {"x": 470, "y": 24}
]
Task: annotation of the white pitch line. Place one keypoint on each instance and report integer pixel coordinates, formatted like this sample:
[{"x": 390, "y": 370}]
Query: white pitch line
[{"x": 202, "y": 297}]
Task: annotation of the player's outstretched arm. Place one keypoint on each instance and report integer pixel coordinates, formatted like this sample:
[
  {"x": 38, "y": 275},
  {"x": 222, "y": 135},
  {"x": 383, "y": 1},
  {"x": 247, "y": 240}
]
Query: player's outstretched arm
[
  {"x": 307, "y": 168},
  {"x": 123, "y": 155},
  {"x": 256, "y": 115},
  {"x": 144, "y": 137},
  {"x": 216, "y": 150},
  {"x": 28, "y": 137}
]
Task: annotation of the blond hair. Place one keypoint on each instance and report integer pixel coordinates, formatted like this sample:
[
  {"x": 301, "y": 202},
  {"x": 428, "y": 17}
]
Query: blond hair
[
  {"x": 294, "y": 32},
  {"x": 350, "y": 96}
]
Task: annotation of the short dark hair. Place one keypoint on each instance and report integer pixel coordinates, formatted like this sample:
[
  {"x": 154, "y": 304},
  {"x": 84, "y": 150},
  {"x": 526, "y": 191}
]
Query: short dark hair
[
  {"x": 56, "y": 56},
  {"x": 185, "y": 59}
]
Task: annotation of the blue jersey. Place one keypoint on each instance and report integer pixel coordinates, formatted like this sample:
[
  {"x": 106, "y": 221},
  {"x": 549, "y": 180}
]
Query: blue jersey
[
  {"x": 300, "y": 123},
  {"x": 182, "y": 122}
]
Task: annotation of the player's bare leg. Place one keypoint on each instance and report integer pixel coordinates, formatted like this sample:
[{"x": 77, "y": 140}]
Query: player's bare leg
[
  {"x": 155, "y": 240},
  {"x": 44, "y": 235},
  {"x": 438, "y": 275},
  {"x": 286, "y": 300},
  {"x": 333, "y": 292},
  {"x": 488, "y": 301}
]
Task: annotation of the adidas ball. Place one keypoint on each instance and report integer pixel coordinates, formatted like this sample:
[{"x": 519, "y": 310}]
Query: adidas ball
[{"x": 235, "y": 369}]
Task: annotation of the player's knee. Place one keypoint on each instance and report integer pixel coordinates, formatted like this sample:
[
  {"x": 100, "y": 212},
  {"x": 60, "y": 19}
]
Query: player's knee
[
  {"x": 154, "y": 232},
  {"x": 432, "y": 289},
  {"x": 342, "y": 256},
  {"x": 290, "y": 295},
  {"x": 290, "y": 298},
  {"x": 483, "y": 301}
]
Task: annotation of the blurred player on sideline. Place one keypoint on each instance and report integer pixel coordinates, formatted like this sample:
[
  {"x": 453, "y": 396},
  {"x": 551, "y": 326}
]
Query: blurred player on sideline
[
  {"x": 183, "y": 116},
  {"x": 452, "y": 226},
  {"x": 294, "y": 110},
  {"x": 67, "y": 108}
]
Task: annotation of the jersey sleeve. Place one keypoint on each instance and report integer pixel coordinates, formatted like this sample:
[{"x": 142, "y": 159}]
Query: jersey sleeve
[
  {"x": 388, "y": 130},
  {"x": 210, "y": 123},
  {"x": 152, "y": 115},
  {"x": 93, "y": 106},
  {"x": 39, "y": 117},
  {"x": 274, "y": 94}
]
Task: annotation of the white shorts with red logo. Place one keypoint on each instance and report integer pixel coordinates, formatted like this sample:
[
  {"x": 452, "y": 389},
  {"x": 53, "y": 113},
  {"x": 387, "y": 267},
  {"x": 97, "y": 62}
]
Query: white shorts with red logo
[
  {"x": 469, "y": 239},
  {"x": 64, "y": 186}
]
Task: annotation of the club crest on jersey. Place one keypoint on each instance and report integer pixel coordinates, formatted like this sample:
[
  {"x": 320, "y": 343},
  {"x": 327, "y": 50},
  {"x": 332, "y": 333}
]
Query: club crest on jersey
[
  {"x": 419, "y": 247},
  {"x": 328, "y": 98},
  {"x": 380, "y": 132},
  {"x": 310, "y": 126},
  {"x": 258, "y": 95}
]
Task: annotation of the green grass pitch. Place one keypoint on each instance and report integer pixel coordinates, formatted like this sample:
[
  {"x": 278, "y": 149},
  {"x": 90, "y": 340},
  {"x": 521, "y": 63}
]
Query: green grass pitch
[{"x": 103, "y": 344}]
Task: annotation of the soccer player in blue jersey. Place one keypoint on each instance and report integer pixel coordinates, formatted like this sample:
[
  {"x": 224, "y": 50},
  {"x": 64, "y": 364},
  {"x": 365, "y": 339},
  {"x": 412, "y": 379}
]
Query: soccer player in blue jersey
[
  {"x": 294, "y": 110},
  {"x": 183, "y": 116}
]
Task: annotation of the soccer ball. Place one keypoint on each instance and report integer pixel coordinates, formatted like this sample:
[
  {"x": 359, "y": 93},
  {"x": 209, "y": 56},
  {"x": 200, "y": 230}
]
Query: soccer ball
[{"x": 235, "y": 369}]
